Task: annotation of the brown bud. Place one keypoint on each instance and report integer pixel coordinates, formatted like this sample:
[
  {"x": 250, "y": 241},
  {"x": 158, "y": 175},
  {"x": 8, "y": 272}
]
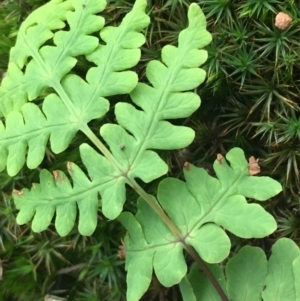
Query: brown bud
[
  {"x": 220, "y": 158},
  {"x": 186, "y": 166},
  {"x": 253, "y": 166},
  {"x": 282, "y": 21}
]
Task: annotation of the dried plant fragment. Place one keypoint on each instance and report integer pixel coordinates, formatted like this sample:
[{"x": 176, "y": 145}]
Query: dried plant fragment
[
  {"x": 220, "y": 158},
  {"x": 69, "y": 167},
  {"x": 186, "y": 166},
  {"x": 57, "y": 176},
  {"x": 282, "y": 21},
  {"x": 253, "y": 166},
  {"x": 18, "y": 192},
  {"x": 121, "y": 252},
  {"x": 53, "y": 298}
]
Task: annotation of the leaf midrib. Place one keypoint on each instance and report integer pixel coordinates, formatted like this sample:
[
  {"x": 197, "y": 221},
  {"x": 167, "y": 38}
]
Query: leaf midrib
[
  {"x": 217, "y": 200},
  {"x": 161, "y": 103},
  {"x": 30, "y": 132}
]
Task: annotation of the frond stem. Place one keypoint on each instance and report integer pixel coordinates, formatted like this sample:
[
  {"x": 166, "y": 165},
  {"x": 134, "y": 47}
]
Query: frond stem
[
  {"x": 159, "y": 211},
  {"x": 207, "y": 272},
  {"x": 156, "y": 207},
  {"x": 88, "y": 132}
]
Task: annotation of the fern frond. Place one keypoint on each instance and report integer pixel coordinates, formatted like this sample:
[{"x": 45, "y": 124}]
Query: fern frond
[
  {"x": 56, "y": 194},
  {"x": 46, "y": 65},
  {"x": 130, "y": 142},
  {"x": 166, "y": 99},
  {"x": 202, "y": 208},
  {"x": 77, "y": 101},
  {"x": 250, "y": 276}
]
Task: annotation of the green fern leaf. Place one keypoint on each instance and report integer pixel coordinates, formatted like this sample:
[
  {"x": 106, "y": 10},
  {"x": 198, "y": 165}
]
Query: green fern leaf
[
  {"x": 250, "y": 277},
  {"x": 45, "y": 66},
  {"x": 200, "y": 208},
  {"x": 130, "y": 155},
  {"x": 165, "y": 99},
  {"x": 77, "y": 102},
  {"x": 246, "y": 273},
  {"x": 280, "y": 283},
  {"x": 56, "y": 194},
  {"x": 296, "y": 272},
  {"x": 187, "y": 290},
  {"x": 206, "y": 290}
]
